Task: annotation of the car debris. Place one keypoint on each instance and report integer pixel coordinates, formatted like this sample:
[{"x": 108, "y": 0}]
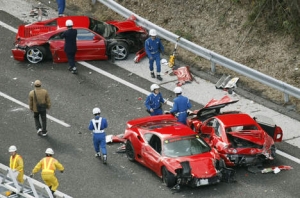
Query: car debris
[{"x": 227, "y": 82}]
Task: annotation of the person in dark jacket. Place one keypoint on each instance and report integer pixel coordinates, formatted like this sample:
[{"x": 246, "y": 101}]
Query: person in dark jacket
[{"x": 70, "y": 37}]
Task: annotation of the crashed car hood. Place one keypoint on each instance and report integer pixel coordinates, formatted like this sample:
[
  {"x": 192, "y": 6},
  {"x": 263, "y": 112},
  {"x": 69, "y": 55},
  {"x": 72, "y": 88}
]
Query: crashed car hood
[
  {"x": 202, "y": 166},
  {"x": 216, "y": 104},
  {"x": 255, "y": 136},
  {"x": 126, "y": 26}
]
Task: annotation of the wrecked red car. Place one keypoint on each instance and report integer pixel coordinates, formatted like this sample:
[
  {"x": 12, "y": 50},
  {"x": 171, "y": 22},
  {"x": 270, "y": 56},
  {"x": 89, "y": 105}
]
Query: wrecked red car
[
  {"x": 174, "y": 152},
  {"x": 238, "y": 138},
  {"x": 96, "y": 40}
]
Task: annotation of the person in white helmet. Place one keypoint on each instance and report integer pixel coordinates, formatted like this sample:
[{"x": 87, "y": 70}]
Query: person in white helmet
[
  {"x": 16, "y": 164},
  {"x": 180, "y": 106},
  {"x": 153, "y": 48},
  {"x": 97, "y": 125},
  {"x": 154, "y": 101},
  {"x": 70, "y": 48},
  {"x": 49, "y": 165}
]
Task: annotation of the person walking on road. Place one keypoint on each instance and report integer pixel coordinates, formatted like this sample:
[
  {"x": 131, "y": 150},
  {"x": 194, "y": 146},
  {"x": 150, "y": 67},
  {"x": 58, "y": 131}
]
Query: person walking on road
[
  {"x": 70, "y": 48},
  {"x": 153, "y": 48},
  {"x": 181, "y": 106},
  {"x": 39, "y": 101},
  {"x": 154, "y": 101},
  {"x": 49, "y": 165},
  {"x": 61, "y": 4},
  {"x": 16, "y": 164},
  {"x": 97, "y": 125}
]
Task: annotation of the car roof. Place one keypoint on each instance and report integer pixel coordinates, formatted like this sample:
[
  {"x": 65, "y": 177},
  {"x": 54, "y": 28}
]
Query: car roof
[{"x": 236, "y": 119}]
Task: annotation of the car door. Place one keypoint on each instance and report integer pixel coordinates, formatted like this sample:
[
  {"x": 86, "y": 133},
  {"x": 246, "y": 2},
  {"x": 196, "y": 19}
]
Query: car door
[
  {"x": 152, "y": 153},
  {"x": 90, "y": 46},
  {"x": 56, "y": 43}
]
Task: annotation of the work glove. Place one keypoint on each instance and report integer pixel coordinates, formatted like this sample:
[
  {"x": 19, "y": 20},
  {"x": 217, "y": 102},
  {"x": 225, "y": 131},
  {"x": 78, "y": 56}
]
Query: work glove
[{"x": 31, "y": 175}]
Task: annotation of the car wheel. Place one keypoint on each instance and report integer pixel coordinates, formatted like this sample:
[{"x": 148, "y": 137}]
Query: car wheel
[
  {"x": 120, "y": 51},
  {"x": 35, "y": 54},
  {"x": 129, "y": 151},
  {"x": 168, "y": 178}
]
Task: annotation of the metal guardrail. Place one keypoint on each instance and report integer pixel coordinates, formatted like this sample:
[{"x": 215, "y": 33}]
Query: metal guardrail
[
  {"x": 30, "y": 189},
  {"x": 214, "y": 58}
]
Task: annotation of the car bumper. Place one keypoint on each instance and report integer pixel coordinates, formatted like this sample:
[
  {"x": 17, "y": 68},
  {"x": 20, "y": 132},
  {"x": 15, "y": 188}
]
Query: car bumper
[
  {"x": 207, "y": 181},
  {"x": 18, "y": 54}
]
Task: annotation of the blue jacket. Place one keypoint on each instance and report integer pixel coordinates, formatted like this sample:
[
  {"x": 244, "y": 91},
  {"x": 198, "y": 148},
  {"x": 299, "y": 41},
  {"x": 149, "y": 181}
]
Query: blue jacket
[
  {"x": 180, "y": 107},
  {"x": 70, "y": 37},
  {"x": 154, "y": 101},
  {"x": 153, "y": 46},
  {"x": 103, "y": 123}
]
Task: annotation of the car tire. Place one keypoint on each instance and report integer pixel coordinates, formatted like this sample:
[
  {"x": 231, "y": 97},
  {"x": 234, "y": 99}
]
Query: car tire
[
  {"x": 168, "y": 178},
  {"x": 119, "y": 51},
  {"x": 35, "y": 54},
  {"x": 129, "y": 151}
]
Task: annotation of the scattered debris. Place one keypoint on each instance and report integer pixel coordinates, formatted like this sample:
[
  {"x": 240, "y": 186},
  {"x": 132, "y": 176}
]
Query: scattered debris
[
  {"x": 276, "y": 169},
  {"x": 183, "y": 74},
  {"x": 115, "y": 138},
  {"x": 226, "y": 82},
  {"x": 139, "y": 55}
]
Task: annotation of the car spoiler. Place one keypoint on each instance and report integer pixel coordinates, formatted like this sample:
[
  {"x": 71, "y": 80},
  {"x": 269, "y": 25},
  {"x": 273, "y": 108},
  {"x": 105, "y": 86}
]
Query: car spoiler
[{"x": 159, "y": 118}]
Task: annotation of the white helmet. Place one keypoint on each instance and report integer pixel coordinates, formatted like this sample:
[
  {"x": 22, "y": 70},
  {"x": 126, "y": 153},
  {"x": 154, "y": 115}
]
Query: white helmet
[
  {"x": 49, "y": 151},
  {"x": 164, "y": 62},
  {"x": 69, "y": 23},
  {"x": 96, "y": 111},
  {"x": 178, "y": 90},
  {"x": 154, "y": 86},
  {"x": 12, "y": 148},
  {"x": 152, "y": 32}
]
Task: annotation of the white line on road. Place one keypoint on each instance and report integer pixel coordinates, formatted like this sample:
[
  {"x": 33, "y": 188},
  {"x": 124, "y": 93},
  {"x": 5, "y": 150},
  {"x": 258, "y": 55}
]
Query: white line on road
[
  {"x": 124, "y": 83},
  {"x": 26, "y": 106}
]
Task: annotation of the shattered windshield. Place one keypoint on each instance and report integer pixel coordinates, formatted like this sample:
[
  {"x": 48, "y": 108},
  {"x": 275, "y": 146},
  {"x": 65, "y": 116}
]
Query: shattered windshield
[
  {"x": 102, "y": 28},
  {"x": 184, "y": 146}
]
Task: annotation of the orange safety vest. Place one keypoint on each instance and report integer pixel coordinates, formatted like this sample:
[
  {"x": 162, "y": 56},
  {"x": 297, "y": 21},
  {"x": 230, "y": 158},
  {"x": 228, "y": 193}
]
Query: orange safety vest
[
  {"x": 47, "y": 165},
  {"x": 13, "y": 161}
]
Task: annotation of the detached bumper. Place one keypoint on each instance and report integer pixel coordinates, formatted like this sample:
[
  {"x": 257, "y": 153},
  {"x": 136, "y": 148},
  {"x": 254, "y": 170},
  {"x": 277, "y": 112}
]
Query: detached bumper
[{"x": 18, "y": 54}]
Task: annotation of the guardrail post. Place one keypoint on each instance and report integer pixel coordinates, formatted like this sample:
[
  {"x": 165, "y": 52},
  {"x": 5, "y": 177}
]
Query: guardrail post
[
  {"x": 212, "y": 67},
  {"x": 286, "y": 97}
]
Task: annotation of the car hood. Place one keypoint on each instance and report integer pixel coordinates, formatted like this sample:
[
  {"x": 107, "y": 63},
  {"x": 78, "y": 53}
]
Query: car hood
[
  {"x": 126, "y": 26},
  {"x": 202, "y": 166},
  {"x": 255, "y": 136},
  {"x": 215, "y": 104}
]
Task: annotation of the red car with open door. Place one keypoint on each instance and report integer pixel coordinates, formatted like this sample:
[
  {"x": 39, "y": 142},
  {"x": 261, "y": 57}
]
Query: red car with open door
[
  {"x": 174, "y": 152},
  {"x": 239, "y": 138},
  {"x": 96, "y": 40}
]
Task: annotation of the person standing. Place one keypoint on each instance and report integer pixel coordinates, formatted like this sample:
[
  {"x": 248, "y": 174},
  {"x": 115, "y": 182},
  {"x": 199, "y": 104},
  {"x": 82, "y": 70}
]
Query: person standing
[
  {"x": 154, "y": 101},
  {"x": 39, "y": 96},
  {"x": 70, "y": 48},
  {"x": 153, "y": 48},
  {"x": 16, "y": 164},
  {"x": 48, "y": 165},
  {"x": 97, "y": 125},
  {"x": 181, "y": 105},
  {"x": 61, "y": 4}
]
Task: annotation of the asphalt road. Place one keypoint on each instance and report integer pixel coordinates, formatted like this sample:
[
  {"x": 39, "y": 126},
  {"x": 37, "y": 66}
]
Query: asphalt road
[{"x": 73, "y": 98}]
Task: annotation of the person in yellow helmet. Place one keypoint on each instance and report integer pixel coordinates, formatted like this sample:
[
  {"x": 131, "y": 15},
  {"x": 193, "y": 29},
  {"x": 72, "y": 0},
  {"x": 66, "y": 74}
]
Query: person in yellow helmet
[
  {"x": 16, "y": 163},
  {"x": 49, "y": 165}
]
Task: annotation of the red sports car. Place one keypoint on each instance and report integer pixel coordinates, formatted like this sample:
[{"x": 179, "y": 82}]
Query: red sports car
[
  {"x": 96, "y": 40},
  {"x": 239, "y": 138},
  {"x": 174, "y": 152}
]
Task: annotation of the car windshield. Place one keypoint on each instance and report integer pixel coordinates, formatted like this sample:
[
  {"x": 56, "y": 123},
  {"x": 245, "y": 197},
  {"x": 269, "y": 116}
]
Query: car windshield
[
  {"x": 185, "y": 146},
  {"x": 102, "y": 28}
]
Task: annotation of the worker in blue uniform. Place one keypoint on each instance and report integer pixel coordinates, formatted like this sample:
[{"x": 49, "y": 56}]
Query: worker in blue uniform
[
  {"x": 154, "y": 101},
  {"x": 97, "y": 125},
  {"x": 181, "y": 106},
  {"x": 153, "y": 48}
]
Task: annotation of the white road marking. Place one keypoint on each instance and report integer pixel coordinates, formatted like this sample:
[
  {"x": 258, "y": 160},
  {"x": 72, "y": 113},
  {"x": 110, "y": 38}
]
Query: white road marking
[
  {"x": 292, "y": 158},
  {"x": 26, "y": 106}
]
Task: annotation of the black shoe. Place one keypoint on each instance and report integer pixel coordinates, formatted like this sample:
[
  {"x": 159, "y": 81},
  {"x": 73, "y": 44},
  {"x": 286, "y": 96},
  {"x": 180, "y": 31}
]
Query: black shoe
[
  {"x": 158, "y": 77},
  {"x": 70, "y": 68},
  {"x": 74, "y": 71},
  {"x": 152, "y": 75},
  {"x": 104, "y": 159},
  {"x": 44, "y": 133}
]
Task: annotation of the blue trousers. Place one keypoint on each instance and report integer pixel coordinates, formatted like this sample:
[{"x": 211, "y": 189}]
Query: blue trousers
[
  {"x": 61, "y": 6},
  {"x": 156, "y": 58},
  {"x": 182, "y": 117},
  {"x": 71, "y": 59},
  {"x": 99, "y": 141}
]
